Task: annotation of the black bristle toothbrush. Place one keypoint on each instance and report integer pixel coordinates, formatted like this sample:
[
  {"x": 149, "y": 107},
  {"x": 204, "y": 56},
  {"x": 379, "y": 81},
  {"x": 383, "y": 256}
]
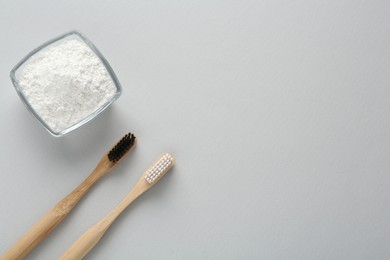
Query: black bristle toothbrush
[{"x": 58, "y": 213}]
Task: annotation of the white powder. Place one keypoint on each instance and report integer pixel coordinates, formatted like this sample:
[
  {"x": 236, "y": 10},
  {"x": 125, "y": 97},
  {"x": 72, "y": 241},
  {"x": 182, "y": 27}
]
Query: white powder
[{"x": 65, "y": 83}]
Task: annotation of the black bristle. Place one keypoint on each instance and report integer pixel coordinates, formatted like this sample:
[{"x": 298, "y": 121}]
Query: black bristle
[{"x": 121, "y": 148}]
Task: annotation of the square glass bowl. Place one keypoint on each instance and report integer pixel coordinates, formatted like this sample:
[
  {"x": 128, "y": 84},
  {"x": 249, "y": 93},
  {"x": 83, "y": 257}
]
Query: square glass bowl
[{"x": 15, "y": 73}]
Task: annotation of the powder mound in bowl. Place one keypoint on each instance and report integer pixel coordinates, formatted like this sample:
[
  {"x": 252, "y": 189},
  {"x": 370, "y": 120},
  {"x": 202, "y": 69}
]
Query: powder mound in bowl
[{"x": 65, "y": 83}]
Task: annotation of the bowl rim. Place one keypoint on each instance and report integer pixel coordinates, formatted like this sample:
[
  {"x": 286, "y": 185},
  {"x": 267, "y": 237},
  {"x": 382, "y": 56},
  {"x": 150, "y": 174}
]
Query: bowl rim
[{"x": 89, "y": 117}]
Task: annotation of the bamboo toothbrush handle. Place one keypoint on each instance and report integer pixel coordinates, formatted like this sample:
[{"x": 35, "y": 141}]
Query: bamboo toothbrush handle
[
  {"x": 92, "y": 236},
  {"x": 51, "y": 219},
  {"x": 86, "y": 242}
]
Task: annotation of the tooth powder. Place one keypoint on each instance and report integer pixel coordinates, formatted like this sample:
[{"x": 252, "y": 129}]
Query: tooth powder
[{"x": 65, "y": 83}]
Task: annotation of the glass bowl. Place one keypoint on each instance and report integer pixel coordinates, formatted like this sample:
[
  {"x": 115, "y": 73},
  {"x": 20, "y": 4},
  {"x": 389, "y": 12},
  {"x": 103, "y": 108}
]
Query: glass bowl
[{"x": 15, "y": 73}]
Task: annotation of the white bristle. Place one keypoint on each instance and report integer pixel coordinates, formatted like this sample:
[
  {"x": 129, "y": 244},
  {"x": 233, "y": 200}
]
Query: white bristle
[{"x": 159, "y": 167}]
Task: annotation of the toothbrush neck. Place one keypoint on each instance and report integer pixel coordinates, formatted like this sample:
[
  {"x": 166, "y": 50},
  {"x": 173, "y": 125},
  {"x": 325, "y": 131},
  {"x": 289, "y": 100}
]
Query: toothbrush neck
[{"x": 137, "y": 191}]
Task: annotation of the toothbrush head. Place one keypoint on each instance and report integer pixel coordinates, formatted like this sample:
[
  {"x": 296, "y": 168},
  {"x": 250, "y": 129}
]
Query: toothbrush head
[
  {"x": 159, "y": 168},
  {"x": 121, "y": 148}
]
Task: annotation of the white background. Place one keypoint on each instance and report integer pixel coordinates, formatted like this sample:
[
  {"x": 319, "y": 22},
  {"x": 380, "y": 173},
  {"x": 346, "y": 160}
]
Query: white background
[{"x": 276, "y": 111}]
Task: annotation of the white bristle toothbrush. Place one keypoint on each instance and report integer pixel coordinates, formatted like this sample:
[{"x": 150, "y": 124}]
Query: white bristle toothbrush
[
  {"x": 62, "y": 209},
  {"x": 92, "y": 236}
]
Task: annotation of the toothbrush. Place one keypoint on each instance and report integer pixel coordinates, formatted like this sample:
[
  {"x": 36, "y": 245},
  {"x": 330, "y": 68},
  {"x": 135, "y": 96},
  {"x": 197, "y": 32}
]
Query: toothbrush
[
  {"x": 55, "y": 215},
  {"x": 92, "y": 236}
]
